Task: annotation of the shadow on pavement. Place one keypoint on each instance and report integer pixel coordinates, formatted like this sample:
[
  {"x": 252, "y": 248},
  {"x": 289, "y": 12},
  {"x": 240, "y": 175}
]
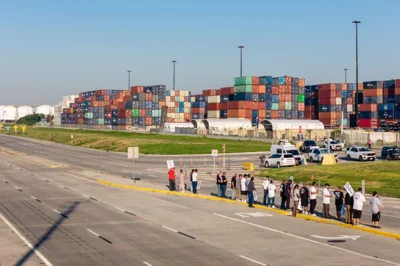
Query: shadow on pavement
[{"x": 49, "y": 232}]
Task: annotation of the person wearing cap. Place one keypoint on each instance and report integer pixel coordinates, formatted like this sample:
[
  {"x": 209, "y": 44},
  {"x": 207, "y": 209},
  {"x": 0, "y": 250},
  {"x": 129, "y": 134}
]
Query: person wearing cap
[
  {"x": 171, "y": 177},
  {"x": 326, "y": 201}
]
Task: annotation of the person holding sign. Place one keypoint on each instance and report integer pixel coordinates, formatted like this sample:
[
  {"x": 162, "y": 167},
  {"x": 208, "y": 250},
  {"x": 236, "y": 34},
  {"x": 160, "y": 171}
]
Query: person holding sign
[
  {"x": 339, "y": 198},
  {"x": 171, "y": 177},
  {"x": 359, "y": 200}
]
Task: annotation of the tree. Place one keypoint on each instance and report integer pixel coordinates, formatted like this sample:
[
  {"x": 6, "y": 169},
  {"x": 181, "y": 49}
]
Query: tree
[{"x": 29, "y": 120}]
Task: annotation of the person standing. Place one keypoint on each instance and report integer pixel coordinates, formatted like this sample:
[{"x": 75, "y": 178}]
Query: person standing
[
  {"x": 282, "y": 193},
  {"x": 313, "y": 198},
  {"x": 219, "y": 182},
  {"x": 265, "y": 189},
  {"x": 358, "y": 205},
  {"x": 250, "y": 192},
  {"x": 369, "y": 144},
  {"x": 288, "y": 193},
  {"x": 171, "y": 178},
  {"x": 194, "y": 181},
  {"x": 238, "y": 187},
  {"x": 349, "y": 201},
  {"x": 271, "y": 194},
  {"x": 182, "y": 181},
  {"x": 304, "y": 197},
  {"x": 376, "y": 209},
  {"x": 243, "y": 188},
  {"x": 233, "y": 187},
  {"x": 296, "y": 198},
  {"x": 339, "y": 199},
  {"x": 191, "y": 179},
  {"x": 224, "y": 183},
  {"x": 326, "y": 201}
]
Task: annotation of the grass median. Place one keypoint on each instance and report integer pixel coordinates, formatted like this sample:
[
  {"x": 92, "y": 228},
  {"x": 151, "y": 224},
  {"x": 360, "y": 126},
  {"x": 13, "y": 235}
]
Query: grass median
[
  {"x": 383, "y": 177},
  {"x": 148, "y": 143}
]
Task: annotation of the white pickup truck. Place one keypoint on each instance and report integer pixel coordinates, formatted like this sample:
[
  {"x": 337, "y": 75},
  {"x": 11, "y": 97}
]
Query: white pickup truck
[{"x": 360, "y": 153}]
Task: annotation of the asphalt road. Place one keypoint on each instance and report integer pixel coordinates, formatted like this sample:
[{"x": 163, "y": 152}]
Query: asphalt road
[{"x": 76, "y": 221}]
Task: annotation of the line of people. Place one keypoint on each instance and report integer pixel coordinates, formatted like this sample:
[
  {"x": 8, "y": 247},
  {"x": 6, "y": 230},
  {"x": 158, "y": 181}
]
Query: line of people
[{"x": 194, "y": 182}]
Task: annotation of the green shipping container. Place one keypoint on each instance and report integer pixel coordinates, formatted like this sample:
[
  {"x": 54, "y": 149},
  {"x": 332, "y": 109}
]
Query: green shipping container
[
  {"x": 135, "y": 113},
  {"x": 101, "y": 122},
  {"x": 156, "y": 113},
  {"x": 176, "y": 109},
  {"x": 243, "y": 88},
  {"x": 288, "y": 106},
  {"x": 243, "y": 81},
  {"x": 275, "y": 107},
  {"x": 345, "y": 122},
  {"x": 300, "y": 98}
]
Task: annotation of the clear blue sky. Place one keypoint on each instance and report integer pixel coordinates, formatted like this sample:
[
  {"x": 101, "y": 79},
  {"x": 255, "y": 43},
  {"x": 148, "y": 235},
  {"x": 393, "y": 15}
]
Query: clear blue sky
[{"x": 53, "y": 48}]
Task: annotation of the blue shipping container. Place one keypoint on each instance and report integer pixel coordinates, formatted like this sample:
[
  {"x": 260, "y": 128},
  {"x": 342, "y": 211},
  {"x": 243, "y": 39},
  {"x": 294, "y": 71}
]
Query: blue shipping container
[
  {"x": 367, "y": 115},
  {"x": 386, "y": 107},
  {"x": 372, "y": 84},
  {"x": 268, "y": 88},
  {"x": 241, "y": 96},
  {"x": 223, "y": 114},
  {"x": 275, "y": 98}
]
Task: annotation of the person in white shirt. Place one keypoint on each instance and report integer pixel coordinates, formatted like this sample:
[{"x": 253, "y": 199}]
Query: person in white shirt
[
  {"x": 243, "y": 187},
  {"x": 271, "y": 194},
  {"x": 358, "y": 204},
  {"x": 194, "y": 182},
  {"x": 265, "y": 188},
  {"x": 326, "y": 201},
  {"x": 313, "y": 198}
]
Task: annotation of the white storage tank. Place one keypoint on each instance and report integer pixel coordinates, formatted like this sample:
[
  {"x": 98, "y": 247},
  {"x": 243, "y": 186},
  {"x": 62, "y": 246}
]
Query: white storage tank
[
  {"x": 24, "y": 111},
  {"x": 44, "y": 109},
  {"x": 1, "y": 112},
  {"x": 9, "y": 113}
]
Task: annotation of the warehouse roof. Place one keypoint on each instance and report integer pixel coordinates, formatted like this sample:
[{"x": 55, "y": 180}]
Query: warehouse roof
[
  {"x": 275, "y": 124},
  {"x": 229, "y": 123}
]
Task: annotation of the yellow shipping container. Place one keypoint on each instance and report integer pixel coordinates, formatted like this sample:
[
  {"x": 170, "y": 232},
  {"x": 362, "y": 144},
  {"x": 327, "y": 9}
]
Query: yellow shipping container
[
  {"x": 172, "y": 93},
  {"x": 71, "y": 110}
]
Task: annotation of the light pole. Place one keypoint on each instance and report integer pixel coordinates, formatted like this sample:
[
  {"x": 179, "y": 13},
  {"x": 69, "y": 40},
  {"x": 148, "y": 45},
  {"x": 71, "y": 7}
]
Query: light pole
[
  {"x": 356, "y": 100},
  {"x": 241, "y": 59},
  {"x": 173, "y": 79},
  {"x": 345, "y": 75},
  {"x": 129, "y": 80}
]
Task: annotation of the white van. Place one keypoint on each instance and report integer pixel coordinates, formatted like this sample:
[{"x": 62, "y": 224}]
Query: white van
[{"x": 285, "y": 146}]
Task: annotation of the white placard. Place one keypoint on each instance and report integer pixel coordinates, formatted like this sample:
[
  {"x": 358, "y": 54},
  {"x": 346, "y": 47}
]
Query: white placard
[
  {"x": 349, "y": 189},
  {"x": 170, "y": 164},
  {"x": 214, "y": 153},
  {"x": 363, "y": 186},
  {"x": 133, "y": 152}
]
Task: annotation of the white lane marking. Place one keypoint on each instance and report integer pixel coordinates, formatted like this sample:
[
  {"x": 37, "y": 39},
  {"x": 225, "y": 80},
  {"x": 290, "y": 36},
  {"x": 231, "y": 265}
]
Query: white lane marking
[
  {"x": 56, "y": 211},
  {"x": 93, "y": 232},
  {"x": 337, "y": 237},
  {"x": 173, "y": 230},
  {"x": 33, "y": 198},
  {"x": 119, "y": 209},
  {"x": 152, "y": 175},
  {"x": 146, "y": 263},
  {"x": 37, "y": 252},
  {"x": 307, "y": 239},
  {"x": 257, "y": 262},
  {"x": 384, "y": 214}
]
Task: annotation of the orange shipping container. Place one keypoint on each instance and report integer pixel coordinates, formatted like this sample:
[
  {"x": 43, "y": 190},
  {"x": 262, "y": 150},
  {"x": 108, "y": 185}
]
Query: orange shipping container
[
  {"x": 148, "y": 121},
  {"x": 256, "y": 80},
  {"x": 236, "y": 113},
  {"x": 127, "y": 98},
  {"x": 261, "y": 106},
  {"x": 248, "y": 113},
  {"x": 288, "y": 80},
  {"x": 373, "y": 93},
  {"x": 275, "y": 90},
  {"x": 209, "y": 92},
  {"x": 198, "y": 110},
  {"x": 254, "y": 105},
  {"x": 367, "y": 107},
  {"x": 261, "y": 114},
  {"x": 302, "y": 83},
  {"x": 274, "y": 114},
  {"x": 262, "y": 89},
  {"x": 281, "y": 106},
  {"x": 149, "y": 97}
]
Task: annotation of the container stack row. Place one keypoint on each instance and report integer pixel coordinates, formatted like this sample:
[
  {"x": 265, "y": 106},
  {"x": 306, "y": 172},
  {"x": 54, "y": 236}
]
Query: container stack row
[{"x": 199, "y": 106}]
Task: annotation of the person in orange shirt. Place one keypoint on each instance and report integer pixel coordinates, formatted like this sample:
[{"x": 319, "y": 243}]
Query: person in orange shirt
[{"x": 171, "y": 177}]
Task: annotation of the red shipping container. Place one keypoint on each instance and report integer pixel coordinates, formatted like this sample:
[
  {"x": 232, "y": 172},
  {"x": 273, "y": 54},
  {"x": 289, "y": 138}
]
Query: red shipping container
[
  {"x": 236, "y": 113},
  {"x": 327, "y": 94},
  {"x": 349, "y": 100},
  {"x": 281, "y": 97},
  {"x": 327, "y": 87},
  {"x": 227, "y": 91},
  {"x": 281, "y": 89},
  {"x": 288, "y": 97},
  {"x": 177, "y": 93},
  {"x": 148, "y": 121},
  {"x": 281, "y": 106},
  {"x": 373, "y": 92},
  {"x": 275, "y": 90},
  {"x": 288, "y": 80},
  {"x": 223, "y": 106},
  {"x": 397, "y": 91},
  {"x": 212, "y": 106},
  {"x": 142, "y": 112},
  {"x": 248, "y": 113},
  {"x": 121, "y": 113},
  {"x": 149, "y": 97},
  {"x": 368, "y": 123},
  {"x": 176, "y": 104},
  {"x": 254, "y": 105},
  {"x": 274, "y": 114},
  {"x": 261, "y": 106},
  {"x": 209, "y": 92},
  {"x": 255, "y": 80},
  {"x": 397, "y": 83},
  {"x": 198, "y": 110},
  {"x": 368, "y": 107},
  {"x": 327, "y": 101}
]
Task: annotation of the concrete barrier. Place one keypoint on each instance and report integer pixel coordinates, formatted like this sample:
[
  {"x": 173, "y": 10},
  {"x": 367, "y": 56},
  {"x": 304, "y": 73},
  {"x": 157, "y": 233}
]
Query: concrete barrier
[{"x": 248, "y": 166}]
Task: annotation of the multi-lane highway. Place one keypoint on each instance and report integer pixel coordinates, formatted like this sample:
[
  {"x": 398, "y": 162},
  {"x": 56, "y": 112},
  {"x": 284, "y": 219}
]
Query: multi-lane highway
[{"x": 73, "y": 220}]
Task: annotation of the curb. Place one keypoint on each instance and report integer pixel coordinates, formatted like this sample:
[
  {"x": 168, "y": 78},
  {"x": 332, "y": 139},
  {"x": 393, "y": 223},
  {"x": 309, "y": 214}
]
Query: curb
[{"x": 212, "y": 198}]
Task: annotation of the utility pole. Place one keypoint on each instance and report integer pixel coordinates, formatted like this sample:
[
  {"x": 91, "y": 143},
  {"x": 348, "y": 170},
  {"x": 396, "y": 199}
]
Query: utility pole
[
  {"x": 345, "y": 75},
  {"x": 129, "y": 80},
  {"x": 241, "y": 59},
  {"x": 173, "y": 78},
  {"x": 356, "y": 100}
]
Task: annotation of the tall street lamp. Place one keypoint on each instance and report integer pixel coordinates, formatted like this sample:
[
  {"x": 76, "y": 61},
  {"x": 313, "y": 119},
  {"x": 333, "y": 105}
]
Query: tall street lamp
[
  {"x": 173, "y": 78},
  {"x": 241, "y": 59},
  {"x": 356, "y": 100},
  {"x": 345, "y": 75},
  {"x": 129, "y": 79}
]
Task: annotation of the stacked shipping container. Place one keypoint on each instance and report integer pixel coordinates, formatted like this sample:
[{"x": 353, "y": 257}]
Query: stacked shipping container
[{"x": 199, "y": 106}]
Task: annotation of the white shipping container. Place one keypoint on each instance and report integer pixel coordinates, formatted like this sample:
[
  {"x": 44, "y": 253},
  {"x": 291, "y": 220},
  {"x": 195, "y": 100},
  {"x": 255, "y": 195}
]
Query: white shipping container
[
  {"x": 192, "y": 99},
  {"x": 349, "y": 108},
  {"x": 187, "y": 105},
  {"x": 214, "y": 99},
  {"x": 338, "y": 101},
  {"x": 172, "y": 93},
  {"x": 213, "y": 114}
]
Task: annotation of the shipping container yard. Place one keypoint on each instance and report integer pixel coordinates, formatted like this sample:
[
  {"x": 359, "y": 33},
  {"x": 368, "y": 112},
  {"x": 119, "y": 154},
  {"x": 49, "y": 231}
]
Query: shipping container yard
[{"x": 252, "y": 98}]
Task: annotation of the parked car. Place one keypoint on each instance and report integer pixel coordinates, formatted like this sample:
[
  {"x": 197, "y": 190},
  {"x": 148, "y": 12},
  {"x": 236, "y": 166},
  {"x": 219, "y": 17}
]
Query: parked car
[
  {"x": 317, "y": 154},
  {"x": 307, "y": 145},
  {"x": 390, "y": 153},
  {"x": 287, "y": 147},
  {"x": 335, "y": 145},
  {"x": 280, "y": 159},
  {"x": 360, "y": 153}
]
